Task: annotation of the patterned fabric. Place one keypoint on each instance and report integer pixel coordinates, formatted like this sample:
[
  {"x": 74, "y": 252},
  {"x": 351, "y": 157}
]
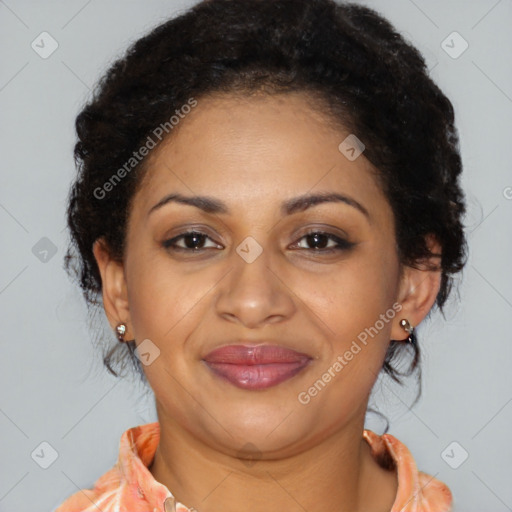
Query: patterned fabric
[{"x": 129, "y": 485}]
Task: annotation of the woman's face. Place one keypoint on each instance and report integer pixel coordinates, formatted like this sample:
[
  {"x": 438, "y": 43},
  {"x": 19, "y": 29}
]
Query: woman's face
[{"x": 257, "y": 278}]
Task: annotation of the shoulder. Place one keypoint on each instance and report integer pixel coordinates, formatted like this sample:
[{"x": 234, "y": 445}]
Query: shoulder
[
  {"x": 128, "y": 483},
  {"x": 103, "y": 494},
  {"x": 417, "y": 491}
]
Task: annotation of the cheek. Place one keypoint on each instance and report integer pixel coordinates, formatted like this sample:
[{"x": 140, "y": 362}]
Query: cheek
[
  {"x": 160, "y": 308},
  {"x": 166, "y": 307},
  {"x": 352, "y": 300},
  {"x": 162, "y": 298},
  {"x": 355, "y": 304}
]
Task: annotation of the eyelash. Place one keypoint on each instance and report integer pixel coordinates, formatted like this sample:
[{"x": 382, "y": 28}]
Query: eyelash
[{"x": 342, "y": 244}]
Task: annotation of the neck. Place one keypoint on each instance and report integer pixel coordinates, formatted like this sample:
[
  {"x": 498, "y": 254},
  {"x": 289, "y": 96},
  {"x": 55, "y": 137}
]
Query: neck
[{"x": 339, "y": 474}]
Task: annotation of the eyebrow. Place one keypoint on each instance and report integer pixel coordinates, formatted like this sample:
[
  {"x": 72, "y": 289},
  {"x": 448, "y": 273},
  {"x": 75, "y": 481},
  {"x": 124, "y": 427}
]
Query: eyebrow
[{"x": 288, "y": 207}]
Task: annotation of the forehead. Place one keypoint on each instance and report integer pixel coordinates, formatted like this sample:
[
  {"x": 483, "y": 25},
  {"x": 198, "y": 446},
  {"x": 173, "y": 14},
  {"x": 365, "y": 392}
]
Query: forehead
[{"x": 254, "y": 150}]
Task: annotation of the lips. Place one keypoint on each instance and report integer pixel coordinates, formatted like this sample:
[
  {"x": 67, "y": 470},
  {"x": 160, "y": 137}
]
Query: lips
[{"x": 256, "y": 366}]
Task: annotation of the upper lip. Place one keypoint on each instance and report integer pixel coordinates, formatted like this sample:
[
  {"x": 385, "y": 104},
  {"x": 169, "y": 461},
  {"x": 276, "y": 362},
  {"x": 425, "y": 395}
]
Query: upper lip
[{"x": 250, "y": 354}]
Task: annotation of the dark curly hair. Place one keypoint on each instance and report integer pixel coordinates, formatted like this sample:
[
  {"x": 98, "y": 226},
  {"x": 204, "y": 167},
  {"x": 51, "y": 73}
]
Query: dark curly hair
[{"x": 349, "y": 60}]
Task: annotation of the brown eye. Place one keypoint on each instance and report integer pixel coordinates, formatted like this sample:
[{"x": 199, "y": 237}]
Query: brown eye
[
  {"x": 193, "y": 241},
  {"x": 321, "y": 240}
]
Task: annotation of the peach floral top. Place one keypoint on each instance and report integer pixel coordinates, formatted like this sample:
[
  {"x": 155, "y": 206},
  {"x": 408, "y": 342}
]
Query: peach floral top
[{"x": 130, "y": 487}]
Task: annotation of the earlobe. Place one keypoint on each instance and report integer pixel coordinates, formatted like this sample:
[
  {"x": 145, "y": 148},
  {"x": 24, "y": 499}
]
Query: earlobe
[{"x": 113, "y": 284}]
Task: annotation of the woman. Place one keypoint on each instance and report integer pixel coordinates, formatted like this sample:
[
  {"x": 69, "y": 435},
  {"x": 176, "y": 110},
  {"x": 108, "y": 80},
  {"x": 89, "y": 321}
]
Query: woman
[{"x": 268, "y": 204}]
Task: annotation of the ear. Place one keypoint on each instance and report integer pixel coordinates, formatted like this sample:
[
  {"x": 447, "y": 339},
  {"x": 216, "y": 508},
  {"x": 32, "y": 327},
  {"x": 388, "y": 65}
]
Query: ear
[
  {"x": 418, "y": 289},
  {"x": 113, "y": 284}
]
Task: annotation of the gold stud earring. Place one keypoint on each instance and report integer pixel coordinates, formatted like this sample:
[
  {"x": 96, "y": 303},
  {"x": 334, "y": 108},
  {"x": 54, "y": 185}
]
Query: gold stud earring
[
  {"x": 409, "y": 328},
  {"x": 121, "y": 331}
]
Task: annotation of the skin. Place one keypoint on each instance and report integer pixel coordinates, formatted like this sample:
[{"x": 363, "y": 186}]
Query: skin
[{"x": 253, "y": 153}]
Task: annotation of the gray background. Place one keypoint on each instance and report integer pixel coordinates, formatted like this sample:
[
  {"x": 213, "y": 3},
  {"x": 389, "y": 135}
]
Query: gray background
[{"x": 54, "y": 388}]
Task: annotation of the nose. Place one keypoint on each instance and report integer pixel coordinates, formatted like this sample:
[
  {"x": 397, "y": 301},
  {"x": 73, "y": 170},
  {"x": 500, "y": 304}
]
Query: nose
[{"x": 255, "y": 292}]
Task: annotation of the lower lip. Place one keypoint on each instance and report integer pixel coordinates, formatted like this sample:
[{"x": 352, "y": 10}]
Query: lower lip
[{"x": 257, "y": 376}]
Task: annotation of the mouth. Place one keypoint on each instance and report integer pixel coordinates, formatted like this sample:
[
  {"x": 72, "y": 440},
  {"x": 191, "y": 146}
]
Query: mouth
[{"x": 256, "y": 367}]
